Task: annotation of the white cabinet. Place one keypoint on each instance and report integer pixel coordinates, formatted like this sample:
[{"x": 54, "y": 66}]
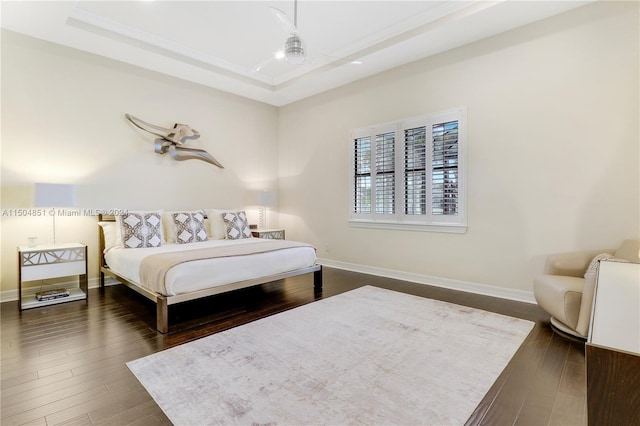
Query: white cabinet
[
  {"x": 613, "y": 347},
  {"x": 615, "y": 318}
]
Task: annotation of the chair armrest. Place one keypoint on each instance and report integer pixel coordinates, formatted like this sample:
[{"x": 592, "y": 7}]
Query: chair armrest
[{"x": 573, "y": 264}]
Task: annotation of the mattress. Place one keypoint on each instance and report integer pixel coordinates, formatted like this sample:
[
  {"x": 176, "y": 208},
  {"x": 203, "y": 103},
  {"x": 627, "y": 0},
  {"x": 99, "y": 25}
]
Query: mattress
[{"x": 207, "y": 273}]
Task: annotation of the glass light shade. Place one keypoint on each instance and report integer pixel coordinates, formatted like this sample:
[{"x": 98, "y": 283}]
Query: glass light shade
[
  {"x": 266, "y": 198},
  {"x": 294, "y": 50}
]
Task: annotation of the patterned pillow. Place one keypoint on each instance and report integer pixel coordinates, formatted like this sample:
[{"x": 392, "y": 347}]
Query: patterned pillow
[
  {"x": 189, "y": 227},
  {"x": 237, "y": 225},
  {"x": 593, "y": 266},
  {"x": 141, "y": 229}
]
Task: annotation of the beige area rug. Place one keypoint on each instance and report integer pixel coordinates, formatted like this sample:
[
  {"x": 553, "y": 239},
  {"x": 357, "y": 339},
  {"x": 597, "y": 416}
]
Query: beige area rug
[{"x": 368, "y": 356}]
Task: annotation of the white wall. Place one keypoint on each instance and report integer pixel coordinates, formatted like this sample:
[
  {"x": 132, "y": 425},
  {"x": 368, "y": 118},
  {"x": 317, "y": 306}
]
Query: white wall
[
  {"x": 63, "y": 122},
  {"x": 553, "y": 147},
  {"x": 552, "y": 158}
]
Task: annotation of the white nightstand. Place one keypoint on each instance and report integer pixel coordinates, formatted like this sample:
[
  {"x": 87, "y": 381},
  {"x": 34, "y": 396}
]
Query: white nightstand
[
  {"x": 269, "y": 234},
  {"x": 52, "y": 261}
]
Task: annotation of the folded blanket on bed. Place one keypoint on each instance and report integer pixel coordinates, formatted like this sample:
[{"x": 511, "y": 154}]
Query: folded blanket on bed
[{"x": 154, "y": 268}]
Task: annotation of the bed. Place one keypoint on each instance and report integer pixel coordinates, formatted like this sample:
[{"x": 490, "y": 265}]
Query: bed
[{"x": 175, "y": 272}]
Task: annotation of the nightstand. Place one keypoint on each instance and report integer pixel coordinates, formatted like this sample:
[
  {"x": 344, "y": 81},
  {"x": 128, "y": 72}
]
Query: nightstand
[
  {"x": 268, "y": 234},
  {"x": 52, "y": 261}
]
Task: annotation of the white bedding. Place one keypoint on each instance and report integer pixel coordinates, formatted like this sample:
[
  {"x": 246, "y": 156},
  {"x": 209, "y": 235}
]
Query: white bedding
[{"x": 200, "y": 274}]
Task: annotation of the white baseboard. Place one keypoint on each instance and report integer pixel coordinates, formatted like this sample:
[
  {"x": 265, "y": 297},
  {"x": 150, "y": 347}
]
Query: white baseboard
[
  {"x": 486, "y": 290},
  {"x": 469, "y": 287},
  {"x": 11, "y": 295}
]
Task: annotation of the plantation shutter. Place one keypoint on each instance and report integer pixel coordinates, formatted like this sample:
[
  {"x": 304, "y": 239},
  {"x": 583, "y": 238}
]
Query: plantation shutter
[
  {"x": 415, "y": 173},
  {"x": 362, "y": 178},
  {"x": 444, "y": 169},
  {"x": 385, "y": 173},
  {"x": 410, "y": 174}
]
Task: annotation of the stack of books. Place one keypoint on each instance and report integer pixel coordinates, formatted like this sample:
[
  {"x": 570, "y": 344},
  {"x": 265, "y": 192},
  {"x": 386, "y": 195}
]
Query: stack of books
[{"x": 52, "y": 294}]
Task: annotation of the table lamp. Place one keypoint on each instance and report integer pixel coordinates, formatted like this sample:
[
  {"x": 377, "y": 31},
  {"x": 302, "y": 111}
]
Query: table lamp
[
  {"x": 266, "y": 199},
  {"x": 54, "y": 195}
]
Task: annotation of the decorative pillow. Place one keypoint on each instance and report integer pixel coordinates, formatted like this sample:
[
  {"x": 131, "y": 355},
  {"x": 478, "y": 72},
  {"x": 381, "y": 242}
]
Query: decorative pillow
[
  {"x": 168, "y": 227},
  {"x": 237, "y": 225},
  {"x": 593, "y": 266},
  {"x": 169, "y": 230},
  {"x": 141, "y": 229},
  {"x": 630, "y": 250},
  {"x": 189, "y": 227},
  {"x": 217, "y": 227}
]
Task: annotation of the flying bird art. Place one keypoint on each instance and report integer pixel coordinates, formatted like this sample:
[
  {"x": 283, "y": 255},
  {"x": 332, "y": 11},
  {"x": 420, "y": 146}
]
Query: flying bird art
[{"x": 173, "y": 140}]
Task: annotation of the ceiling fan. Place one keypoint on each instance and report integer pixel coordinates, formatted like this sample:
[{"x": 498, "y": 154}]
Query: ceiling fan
[
  {"x": 294, "y": 47},
  {"x": 293, "y": 52}
]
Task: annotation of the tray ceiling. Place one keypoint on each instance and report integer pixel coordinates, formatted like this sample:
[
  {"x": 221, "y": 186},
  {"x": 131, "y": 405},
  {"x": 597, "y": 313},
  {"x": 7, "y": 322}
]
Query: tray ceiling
[{"x": 221, "y": 43}]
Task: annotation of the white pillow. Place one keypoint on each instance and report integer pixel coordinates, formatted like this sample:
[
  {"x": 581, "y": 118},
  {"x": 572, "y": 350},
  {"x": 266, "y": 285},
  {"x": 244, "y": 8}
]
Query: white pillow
[
  {"x": 112, "y": 235},
  {"x": 217, "y": 227},
  {"x": 141, "y": 229},
  {"x": 629, "y": 250}
]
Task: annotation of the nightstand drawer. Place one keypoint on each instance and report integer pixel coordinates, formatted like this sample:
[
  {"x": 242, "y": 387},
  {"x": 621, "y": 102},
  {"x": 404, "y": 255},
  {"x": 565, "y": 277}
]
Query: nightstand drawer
[
  {"x": 42, "y": 272},
  {"x": 48, "y": 262}
]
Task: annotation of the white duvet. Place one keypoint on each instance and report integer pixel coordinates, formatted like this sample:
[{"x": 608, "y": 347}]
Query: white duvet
[{"x": 201, "y": 274}]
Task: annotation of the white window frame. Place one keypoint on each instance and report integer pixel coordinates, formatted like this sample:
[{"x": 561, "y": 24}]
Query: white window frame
[{"x": 399, "y": 220}]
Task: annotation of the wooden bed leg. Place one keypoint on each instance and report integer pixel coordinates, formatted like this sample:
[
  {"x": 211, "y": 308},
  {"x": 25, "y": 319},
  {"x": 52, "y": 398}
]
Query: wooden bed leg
[
  {"x": 317, "y": 279},
  {"x": 162, "y": 315}
]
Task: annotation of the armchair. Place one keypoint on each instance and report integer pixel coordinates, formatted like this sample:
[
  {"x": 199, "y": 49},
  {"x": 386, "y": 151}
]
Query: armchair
[{"x": 566, "y": 289}]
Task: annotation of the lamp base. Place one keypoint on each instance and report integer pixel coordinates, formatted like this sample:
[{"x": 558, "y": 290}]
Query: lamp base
[{"x": 262, "y": 217}]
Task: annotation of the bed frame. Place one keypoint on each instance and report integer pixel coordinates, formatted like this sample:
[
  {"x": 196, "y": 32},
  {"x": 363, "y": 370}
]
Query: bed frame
[{"x": 163, "y": 302}]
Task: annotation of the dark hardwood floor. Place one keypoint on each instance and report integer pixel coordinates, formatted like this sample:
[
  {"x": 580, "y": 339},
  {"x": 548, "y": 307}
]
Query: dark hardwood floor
[{"x": 65, "y": 364}]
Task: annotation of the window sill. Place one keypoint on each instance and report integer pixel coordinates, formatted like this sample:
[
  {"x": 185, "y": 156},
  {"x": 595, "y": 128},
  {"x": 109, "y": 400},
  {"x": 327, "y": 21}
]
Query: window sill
[{"x": 450, "y": 228}]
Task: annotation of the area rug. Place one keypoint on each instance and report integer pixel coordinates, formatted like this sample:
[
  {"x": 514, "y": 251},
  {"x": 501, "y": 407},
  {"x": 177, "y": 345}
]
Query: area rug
[{"x": 367, "y": 356}]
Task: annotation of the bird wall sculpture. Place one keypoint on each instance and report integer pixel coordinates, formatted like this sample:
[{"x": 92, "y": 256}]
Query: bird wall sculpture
[{"x": 173, "y": 140}]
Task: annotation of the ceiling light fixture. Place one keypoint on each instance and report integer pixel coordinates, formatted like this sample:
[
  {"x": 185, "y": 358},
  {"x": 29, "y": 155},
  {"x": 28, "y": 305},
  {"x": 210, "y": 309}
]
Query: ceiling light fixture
[{"x": 294, "y": 50}]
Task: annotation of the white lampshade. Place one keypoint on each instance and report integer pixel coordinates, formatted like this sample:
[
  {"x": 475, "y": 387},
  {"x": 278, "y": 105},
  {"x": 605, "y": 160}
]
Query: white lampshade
[
  {"x": 54, "y": 195},
  {"x": 266, "y": 198}
]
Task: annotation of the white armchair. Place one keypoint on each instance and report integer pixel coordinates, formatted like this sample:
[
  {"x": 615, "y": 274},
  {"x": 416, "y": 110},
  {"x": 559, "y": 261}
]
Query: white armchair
[{"x": 567, "y": 294}]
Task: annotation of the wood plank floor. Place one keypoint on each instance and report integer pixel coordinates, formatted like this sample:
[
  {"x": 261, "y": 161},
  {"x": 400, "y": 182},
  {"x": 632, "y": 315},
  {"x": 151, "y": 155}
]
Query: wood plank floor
[{"x": 65, "y": 364}]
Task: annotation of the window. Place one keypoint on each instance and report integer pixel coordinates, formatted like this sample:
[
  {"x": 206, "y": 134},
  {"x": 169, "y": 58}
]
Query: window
[{"x": 410, "y": 174}]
